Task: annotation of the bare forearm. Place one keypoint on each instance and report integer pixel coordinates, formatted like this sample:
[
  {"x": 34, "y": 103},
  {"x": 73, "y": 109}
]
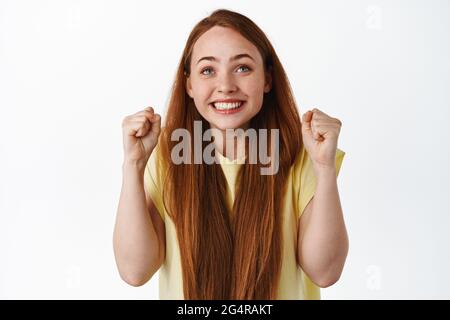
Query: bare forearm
[
  {"x": 135, "y": 239},
  {"x": 326, "y": 236}
]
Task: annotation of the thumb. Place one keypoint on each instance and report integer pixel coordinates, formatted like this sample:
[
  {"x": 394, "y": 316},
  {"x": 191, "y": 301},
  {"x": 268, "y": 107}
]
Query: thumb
[
  {"x": 306, "y": 122},
  {"x": 156, "y": 124}
]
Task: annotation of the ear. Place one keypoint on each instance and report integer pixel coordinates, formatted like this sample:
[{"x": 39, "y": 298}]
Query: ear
[
  {"x": 189, "y": 87},
  {"x": 268, "y": 80}
]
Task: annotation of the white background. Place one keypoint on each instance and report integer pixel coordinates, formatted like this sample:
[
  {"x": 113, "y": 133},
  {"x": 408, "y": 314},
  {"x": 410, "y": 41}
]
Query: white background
[{"x": 71, "y": 70}]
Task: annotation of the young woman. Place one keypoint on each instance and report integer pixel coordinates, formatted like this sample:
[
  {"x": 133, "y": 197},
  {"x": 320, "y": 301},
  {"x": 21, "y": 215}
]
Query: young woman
[{"x": 223, "y": 230}]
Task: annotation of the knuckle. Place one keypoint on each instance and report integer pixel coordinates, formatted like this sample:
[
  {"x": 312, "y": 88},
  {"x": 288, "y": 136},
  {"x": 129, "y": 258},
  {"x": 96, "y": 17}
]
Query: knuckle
[{"x": 337, "y": 121}]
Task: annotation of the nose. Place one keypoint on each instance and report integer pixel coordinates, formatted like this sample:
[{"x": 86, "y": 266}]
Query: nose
[{"x": 226, "y": 83}]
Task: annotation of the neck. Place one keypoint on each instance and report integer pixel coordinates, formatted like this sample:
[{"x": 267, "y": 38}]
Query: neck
[{"x": 230, "y": 144}]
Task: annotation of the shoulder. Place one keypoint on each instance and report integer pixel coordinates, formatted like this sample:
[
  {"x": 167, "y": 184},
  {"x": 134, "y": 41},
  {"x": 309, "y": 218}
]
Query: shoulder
[
  {"x": 154, "y": 181},
  {"x": 304, "y": 179},
  {"x": 155, "y": 162}
]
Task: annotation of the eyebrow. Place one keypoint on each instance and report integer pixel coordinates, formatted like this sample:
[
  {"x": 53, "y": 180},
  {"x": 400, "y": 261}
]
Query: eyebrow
[{"x": 236, "y": 57}]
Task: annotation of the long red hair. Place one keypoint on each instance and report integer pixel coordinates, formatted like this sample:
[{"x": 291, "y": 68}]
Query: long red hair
[{"x": 230, "y": 255}]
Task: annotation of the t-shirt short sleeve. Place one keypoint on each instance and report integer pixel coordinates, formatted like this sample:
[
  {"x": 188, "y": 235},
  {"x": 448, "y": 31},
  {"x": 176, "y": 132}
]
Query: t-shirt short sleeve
[
  {"x": 305, "y": 179},
  {"x": 153, "y": 181}
]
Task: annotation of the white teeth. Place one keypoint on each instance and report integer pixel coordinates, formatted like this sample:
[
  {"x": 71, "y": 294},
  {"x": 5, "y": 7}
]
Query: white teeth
[{"x": 227, "y": 106}]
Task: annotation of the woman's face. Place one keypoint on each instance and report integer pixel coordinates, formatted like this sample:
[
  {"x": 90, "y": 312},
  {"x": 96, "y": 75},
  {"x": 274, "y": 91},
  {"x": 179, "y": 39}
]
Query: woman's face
[{"x": 226, "y": 66}]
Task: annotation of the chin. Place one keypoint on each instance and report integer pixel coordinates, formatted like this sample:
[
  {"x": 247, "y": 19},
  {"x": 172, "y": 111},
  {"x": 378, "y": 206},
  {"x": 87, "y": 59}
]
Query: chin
[{"x": 223, "y": 125}]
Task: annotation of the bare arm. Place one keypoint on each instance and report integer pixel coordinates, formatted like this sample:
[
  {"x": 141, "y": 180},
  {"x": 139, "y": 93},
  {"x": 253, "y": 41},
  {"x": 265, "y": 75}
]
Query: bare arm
[
  {"x": 139, "y": 233},
  {"x": 322, "y": 237}
]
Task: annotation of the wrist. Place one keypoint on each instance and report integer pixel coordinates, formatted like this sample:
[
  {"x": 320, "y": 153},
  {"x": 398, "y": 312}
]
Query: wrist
[
  {"x": 325, "y": 172},
  {"x": 133, "y": 165}
]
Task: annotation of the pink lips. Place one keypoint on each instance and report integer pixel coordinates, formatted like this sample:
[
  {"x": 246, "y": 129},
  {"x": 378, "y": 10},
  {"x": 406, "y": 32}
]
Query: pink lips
[{"x": 231, "y": 111}]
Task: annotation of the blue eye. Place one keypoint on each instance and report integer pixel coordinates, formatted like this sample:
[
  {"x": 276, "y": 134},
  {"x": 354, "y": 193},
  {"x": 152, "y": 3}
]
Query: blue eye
[
  {"x": 205, "y": 70},
  {"x": 244, "y": 67}
]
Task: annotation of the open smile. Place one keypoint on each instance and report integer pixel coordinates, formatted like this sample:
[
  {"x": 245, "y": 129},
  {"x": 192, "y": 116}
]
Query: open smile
[{"x": 227, "y": 107}]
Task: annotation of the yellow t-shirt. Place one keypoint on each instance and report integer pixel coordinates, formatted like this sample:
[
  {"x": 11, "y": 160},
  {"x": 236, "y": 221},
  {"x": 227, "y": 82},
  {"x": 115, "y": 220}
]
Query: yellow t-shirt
[{"x": 301, "y": 184}]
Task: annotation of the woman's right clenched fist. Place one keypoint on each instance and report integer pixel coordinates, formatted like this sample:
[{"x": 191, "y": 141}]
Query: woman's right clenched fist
[{"x": 140, "y": 135}]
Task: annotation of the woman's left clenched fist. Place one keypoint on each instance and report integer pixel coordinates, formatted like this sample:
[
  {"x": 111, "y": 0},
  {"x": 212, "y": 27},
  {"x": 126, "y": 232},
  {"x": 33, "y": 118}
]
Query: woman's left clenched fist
[{"x": 320, "y": 134}]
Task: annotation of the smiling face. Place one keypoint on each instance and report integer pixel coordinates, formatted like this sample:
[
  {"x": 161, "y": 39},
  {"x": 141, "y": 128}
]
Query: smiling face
[{"x": 226, "y": 66}]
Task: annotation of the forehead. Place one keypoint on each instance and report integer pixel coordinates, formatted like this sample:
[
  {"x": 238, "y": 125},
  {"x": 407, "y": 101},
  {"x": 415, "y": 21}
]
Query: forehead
[{"x": 223, "y": 43}]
